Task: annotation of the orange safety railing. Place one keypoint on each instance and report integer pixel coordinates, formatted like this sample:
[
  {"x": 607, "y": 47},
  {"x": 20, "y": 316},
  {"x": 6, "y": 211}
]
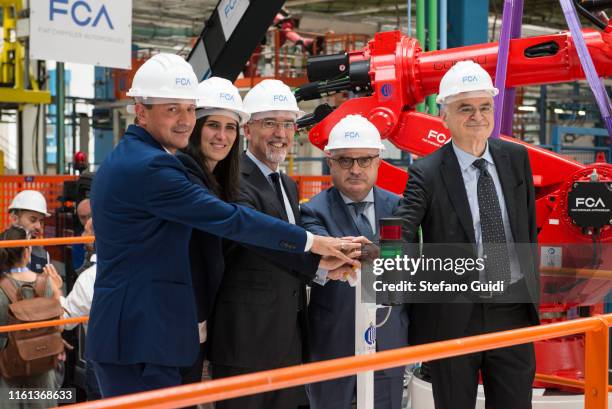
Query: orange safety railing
[
  {"x": 595, "y": 383},
  {"x": 50, "y": 186}
]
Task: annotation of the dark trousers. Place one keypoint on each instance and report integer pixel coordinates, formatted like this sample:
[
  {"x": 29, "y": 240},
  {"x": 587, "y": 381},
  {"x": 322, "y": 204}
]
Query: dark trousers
[
  {"x": 115, "y": 380},
  {"x": 279, "y": 399},
  {"x": 91, "y": 382},
  {"x": 507, "y": 373},
  {"x": 340, "y": 393}
]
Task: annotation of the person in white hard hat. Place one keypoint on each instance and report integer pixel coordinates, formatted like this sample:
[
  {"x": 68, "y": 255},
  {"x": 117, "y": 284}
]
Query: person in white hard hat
[
  {"x": 352, "y": 207},
  {"x": 478, "y": 191},
  {"x": 264, "y": 327},
  {"x": 28, "y": 209},
  {"x": 143, "y": 322}
]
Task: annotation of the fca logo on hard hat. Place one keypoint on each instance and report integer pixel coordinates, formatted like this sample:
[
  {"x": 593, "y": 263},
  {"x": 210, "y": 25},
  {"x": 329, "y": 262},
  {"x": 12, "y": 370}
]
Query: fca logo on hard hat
[
  {"x": 470, "y": 78},
  {"x": 226, "y": 96},
  {"x": 280, "y": 98},
  {"x": 184, "y": 82},
  {"x": 80, "y": 12},
  {"x": 351, "y": 135}
]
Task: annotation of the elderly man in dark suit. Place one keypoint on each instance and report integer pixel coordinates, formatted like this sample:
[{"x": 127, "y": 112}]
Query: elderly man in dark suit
[
  {"x": 352, "y": 206},
  {"x": 478, "y": 191}
]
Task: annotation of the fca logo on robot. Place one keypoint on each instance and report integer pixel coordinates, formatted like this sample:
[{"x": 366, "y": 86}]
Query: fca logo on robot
[{"x": 80, "y": 12}]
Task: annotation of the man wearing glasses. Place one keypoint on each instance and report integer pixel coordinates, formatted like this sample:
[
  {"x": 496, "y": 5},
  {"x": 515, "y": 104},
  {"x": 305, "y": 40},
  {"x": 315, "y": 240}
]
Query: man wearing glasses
[
  {"x": 259, "y": 320},
  {"x": 352, "y": 207},
  {"x": 477, "y": 191}
]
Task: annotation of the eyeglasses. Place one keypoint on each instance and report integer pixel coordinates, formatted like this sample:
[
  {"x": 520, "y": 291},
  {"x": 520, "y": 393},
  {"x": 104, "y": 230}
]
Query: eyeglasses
[
  {"x": 469, "y": 110},
  {"x": 272, "y": 124},
  {"x": 347, "y": 163}
]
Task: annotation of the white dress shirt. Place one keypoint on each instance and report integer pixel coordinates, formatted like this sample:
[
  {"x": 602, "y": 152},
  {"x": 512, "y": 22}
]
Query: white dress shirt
[{"x": 78, "y": 302}]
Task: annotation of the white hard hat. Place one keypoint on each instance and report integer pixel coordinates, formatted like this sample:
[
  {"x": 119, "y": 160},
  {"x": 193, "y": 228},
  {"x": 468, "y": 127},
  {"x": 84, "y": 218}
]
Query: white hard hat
[
  {"x": 465, "y": 76},
  {"x": 219, "y": 93},
  {"x": 354, "y": 131},
  {"x": 165, "y": 76},
  {"x": 29, "y": 200},
  {"x": 271, "y": 95}
]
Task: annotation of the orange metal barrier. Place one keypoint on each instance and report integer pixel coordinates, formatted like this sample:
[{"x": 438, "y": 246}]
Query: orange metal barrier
[
  {"x": 309, "y": 186},
  {"x": 50, "y": 186},
  {"x": 595, "y": 384},
  {"x": 58, "y": 241},
  {"x": 43, "y": 324}
]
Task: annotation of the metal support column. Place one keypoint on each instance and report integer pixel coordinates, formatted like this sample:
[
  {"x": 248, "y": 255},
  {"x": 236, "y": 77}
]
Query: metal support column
[
  {"x": 432, "y": 45},
  {"x": 60, "y": 130},
  {"x": 420, "y": 30}
]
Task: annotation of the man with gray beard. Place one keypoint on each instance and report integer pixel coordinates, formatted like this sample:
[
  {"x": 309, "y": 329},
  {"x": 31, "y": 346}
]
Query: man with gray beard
[{"x": 259, "y": 319}]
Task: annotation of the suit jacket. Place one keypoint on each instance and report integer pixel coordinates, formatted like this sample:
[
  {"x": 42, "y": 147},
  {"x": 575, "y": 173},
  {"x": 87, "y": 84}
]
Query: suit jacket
[
  {"x": 256, "y": 315},
  {"x": 435, "y": 199},
  {"x": 332, "y": 306},
  {"x": 144, "y": 208}
]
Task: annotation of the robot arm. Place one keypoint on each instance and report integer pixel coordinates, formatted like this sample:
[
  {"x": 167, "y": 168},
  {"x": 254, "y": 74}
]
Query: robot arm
[{"x": 398, "y": 75}]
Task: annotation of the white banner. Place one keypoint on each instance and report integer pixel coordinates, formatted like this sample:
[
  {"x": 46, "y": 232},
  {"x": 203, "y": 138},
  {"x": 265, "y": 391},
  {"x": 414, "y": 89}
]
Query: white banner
[{"x": 95, "y": 32}]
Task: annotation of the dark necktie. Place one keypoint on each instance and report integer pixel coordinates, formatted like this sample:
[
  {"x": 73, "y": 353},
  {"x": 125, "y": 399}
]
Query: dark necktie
[
  {"x": 497, "y": 261},
  {"x": 275, "y": 176},
  {"x": 362, "y": 222}
]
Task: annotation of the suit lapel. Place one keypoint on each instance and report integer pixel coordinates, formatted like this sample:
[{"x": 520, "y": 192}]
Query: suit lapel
[
  {"x": 252, "y": 174},
  {"x": 506, "y": 177},
  {"x": 341, "y": 213},
  {"x": 453, "y": 179}
]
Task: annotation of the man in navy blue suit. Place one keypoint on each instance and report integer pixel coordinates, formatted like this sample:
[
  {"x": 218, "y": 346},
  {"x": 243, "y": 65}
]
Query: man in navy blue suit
[
  {"x": 143, "y": 324},
  {"x": 351, "y": 208}
]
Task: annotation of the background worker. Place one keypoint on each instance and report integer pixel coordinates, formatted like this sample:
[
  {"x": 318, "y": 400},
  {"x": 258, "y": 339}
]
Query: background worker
[
  {"x": 477, "y": 190},
  {"x": 351, "y": 207},
  {"x": 28, "y": 209},
  {"x": 22, "y": 282},
  {"x": 143, "y": 323},
  {"x": 78, "y": 304},
  {"x": 82, "y": 253},
  {"x": 259, "y": 320}
]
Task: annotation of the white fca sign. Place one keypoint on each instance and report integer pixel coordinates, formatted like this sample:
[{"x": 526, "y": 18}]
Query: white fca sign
[{"x": 95, "y": 32}]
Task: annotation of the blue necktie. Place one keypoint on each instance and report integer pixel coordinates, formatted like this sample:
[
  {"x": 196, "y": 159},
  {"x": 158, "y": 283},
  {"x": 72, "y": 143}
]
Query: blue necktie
[
  {"x": 363, "y": 224},
  {"x": 497, "y": 263}
]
